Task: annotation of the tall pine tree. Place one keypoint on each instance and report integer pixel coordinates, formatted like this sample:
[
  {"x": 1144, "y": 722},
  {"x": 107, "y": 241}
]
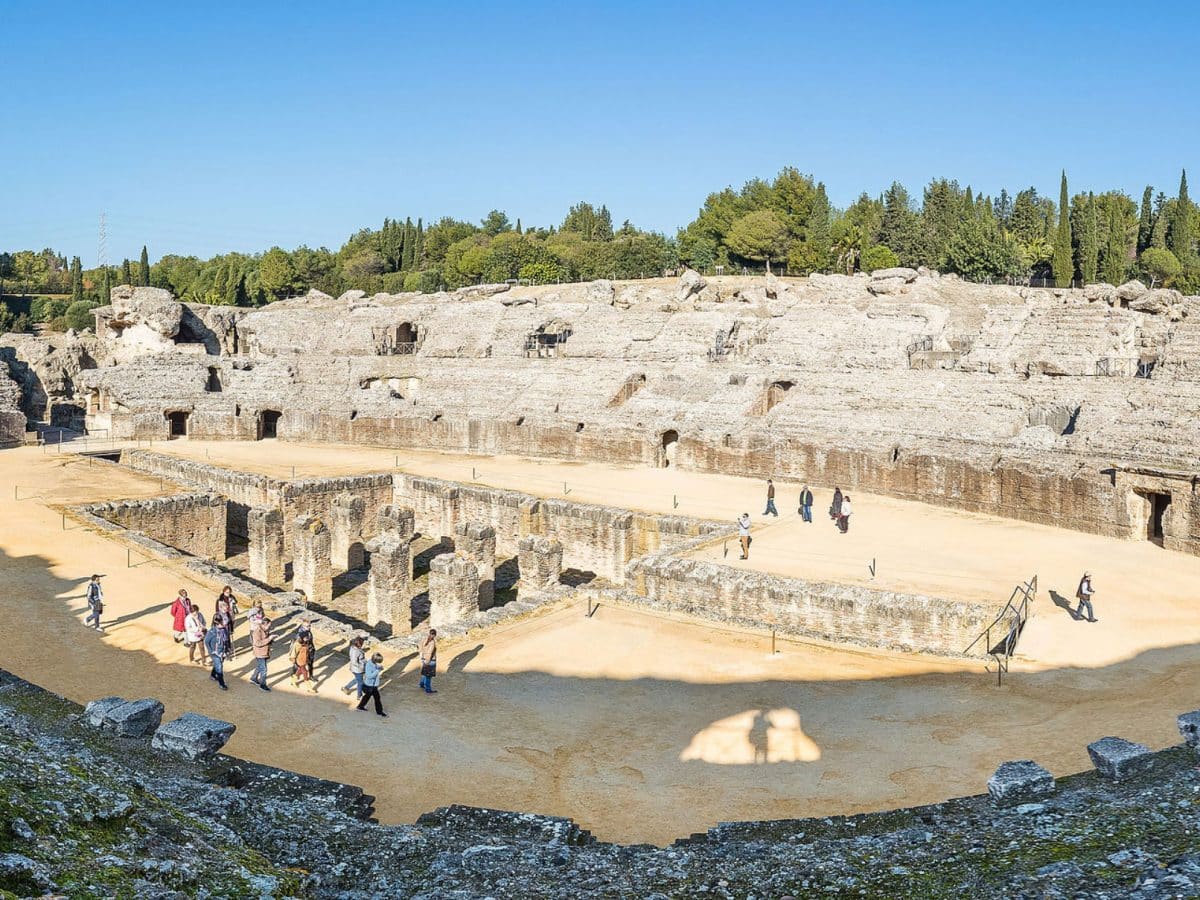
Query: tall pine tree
[
  {"x": 818, "y": 231},
  {"x": 1179, "y": 237},
  {"x": 144, "y": 268},
  {"x": 106, "y": 286},
  {"x": 419, "y": 245},
  {"x": 126, "y": 272},
  {"x": 1062, "y": 264},
  {"x": 1145, "y": 220},
  {"x": 410, "y": 246}
]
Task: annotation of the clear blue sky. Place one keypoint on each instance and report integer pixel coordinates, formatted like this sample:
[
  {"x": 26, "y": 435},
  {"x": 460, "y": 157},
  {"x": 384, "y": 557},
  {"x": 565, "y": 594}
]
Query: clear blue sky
[{"x": 208, "y": 127}]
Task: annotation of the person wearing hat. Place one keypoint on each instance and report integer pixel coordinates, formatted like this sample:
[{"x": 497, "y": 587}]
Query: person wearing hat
[
  {"x": 743, "y": 527},
  {"x": 371, "y": 678},
  {"x": 1084, "y": 593},
  {"x": 95, "y": 602}
]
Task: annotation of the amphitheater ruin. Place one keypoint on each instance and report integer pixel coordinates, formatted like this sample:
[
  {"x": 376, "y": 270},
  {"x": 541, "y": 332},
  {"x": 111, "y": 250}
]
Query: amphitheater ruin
[{"x": 550, "y": 476}]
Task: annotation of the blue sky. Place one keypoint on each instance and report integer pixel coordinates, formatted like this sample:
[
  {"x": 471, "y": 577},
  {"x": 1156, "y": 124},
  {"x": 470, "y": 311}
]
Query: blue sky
[{"x": 203, "y": 128}]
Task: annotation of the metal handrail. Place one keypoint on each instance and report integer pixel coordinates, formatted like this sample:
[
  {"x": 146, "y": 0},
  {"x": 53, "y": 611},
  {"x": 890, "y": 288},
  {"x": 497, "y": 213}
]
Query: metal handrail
[{"x": 1015, "y": 615}]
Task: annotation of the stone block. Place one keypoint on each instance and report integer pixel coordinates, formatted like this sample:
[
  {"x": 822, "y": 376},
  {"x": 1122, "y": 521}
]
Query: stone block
[
  {"x": 478, "y": 543},
  {"x": 399, "y": 520},
  {"x": 1019, "y": 782},
  {"x": 311, "y": 560},
  {"x": 265, "y": 529},
  {"x": 129, "y": 718},
  {"x": 453, "y": 590},
  {"x": 539, "y": 561},
  {"x": 1189, "y": 728},
  {"x": 347, "y": 514},
  {"x": 389, "y": 582},
  {"x": 1119, "y": 759},
  {"x": 193, "y": 735},
  {"x": 96, "y": 710}
]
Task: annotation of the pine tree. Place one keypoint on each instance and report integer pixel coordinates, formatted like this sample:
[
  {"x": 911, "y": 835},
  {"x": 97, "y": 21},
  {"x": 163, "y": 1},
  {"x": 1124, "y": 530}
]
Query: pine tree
[
  {"x": 1179, "y": 237},
  {"x": 604, "y": 228},
  {"x": 1116, "y": 263},
  {"x": 76, "y": 281},
  {"x": 126, "y": 272},
  {"x": 818, "y": 231},
  {"x": 518, "y": 229},
  {"x": 1064, "y": 269},
  {"x": 1003, "y": 209},
  {"x": 144, "y": 268},
  {"x": 410, "y": 245},
  {"x": 1145, "y": 220},
  {"x": 106, "y": 290}
]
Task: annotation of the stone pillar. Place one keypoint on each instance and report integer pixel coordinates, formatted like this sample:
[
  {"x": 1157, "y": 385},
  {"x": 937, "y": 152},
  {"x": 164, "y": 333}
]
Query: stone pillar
[
  {"x": 531, "y": 517},
  {"x": 539, "y": 560},
  {"x": 389, "y": 584},
  {"x": 311, "y": 547},
  {"x": 449, "y": 503},
  {"x": 453, "y": 590},
  {"x": 348, "y": 514},
  {"x": 478, "y": 543},
  {"x": 398, "y": 520},
  {"x": 265, "y": 528}
]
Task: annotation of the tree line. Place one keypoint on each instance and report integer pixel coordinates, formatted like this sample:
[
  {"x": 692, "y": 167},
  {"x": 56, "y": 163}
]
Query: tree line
[{"x": 786, "y": 224}]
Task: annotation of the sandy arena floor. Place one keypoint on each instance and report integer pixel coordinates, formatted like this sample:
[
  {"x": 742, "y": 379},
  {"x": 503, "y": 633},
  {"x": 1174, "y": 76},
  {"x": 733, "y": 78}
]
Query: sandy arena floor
[{"x": 640, "y": 727}]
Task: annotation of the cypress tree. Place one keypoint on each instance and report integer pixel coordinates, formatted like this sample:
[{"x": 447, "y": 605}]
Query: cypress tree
[
  {"x": 1145, "y": 220},
  {"x": 1179, "y": 238},
  {"x": 1087, "y": 231},
  {"x": 76, "y": 281},
  {"x": 1115, "y": 261},
  {"x": 126, "y": 272},
  {"x": 410, "y": 246},
  {"x": 106, "y": 295},
  {"x": 419, "y": 247},
  {"x": 818, "y": 236},
  {"x": 1064, "y": 269},
  {"x": 144, "y": 268}
]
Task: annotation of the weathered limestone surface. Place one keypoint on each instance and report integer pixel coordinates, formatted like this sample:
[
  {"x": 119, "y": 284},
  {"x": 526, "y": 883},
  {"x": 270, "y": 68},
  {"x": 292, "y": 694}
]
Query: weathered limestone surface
[
  {"x": 398, "y": 520},
  {"x": 129, "y": 718},
  {"x": 195, "y": 523},
  {"x": 1189, "y": 728},
  {"x": 478, "y": 544},
  {"x": 1118, "y": 759},
  {"x": 389, "y": 581},
  {"x": 539, "y": 561},
  {"x": 348, "y": 518},
  {"x": 311, "y": 572},
  {"x": 266, "y": 545},
  {"x": 1023, "y": 781},
  {"x": 193, "y": 735},
  {"x": 453, "y": 589}
]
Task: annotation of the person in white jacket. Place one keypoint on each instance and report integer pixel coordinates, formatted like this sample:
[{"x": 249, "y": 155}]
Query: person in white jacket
[
  {"x": 194, "y": 629},
  {"x": 371, "y": 678}
]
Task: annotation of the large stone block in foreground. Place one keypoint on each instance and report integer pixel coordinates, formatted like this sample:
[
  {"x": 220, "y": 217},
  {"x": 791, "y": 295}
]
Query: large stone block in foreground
[
  {"x": 193, "y": 735},
  {"x": 129, "y": 718},
  {"x": 453, "y": 590},
  {"x": 1022, "y": 781},
  {"x": 539, "y": 560},
  {"x": 1189, "y": 728},
  {"x": 1118, "y": 759}
]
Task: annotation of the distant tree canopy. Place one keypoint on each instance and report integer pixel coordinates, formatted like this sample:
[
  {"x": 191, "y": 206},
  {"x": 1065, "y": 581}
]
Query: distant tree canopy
[{"x": 785, "y": 224}]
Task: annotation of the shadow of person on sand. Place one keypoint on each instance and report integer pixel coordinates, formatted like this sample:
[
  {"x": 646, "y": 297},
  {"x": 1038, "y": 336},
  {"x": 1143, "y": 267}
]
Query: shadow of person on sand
[
  {"x": 460, "y": 662},
  {"x": 137, "y": 614},
  {"x": 1063, "y": 603},
  {"x": 757, "y": 736}
]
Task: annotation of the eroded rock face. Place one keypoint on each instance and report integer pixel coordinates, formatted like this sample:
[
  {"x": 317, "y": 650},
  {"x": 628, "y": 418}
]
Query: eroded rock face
[
  {"x": 145, "y": 317},
  {"x": 691, "y": 283},
  {"x": 1156, "y": 302}
]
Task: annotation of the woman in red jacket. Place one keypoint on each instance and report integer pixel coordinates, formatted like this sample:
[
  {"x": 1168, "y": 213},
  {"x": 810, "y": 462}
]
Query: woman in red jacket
[{"x": 180, "y": 610}]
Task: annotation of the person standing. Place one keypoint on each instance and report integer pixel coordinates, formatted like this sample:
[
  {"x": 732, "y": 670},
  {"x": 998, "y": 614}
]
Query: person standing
[
  {"x": 260, "y": 642},
  {"x": 371, "y": 679},
  {"x": 302, "y": 660},
  {"x": 304, "y": 630},
  {"x": 95, "y": 602},
  {"x": 227, "y": 608},
  {"x": 844, "y": 518},
  {"x": 217, "y": 644},
  {"x": 358, "y": 665},
  {"x": 771, "y": 510},
  {"x": 835, "y": 508},
  {"x": 743, "y": 526},
  {"x": 179, "y": 613},
  {"x": 806, "y": 502},
  {"x": 1084, "y": 592},
  {"x": 194, "y": 629},
  {"x": 429, "y": 661}
]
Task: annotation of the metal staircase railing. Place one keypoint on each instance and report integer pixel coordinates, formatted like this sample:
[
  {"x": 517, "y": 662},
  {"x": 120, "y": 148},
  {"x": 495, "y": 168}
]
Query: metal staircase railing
[{"x": 1001, "y": 636}]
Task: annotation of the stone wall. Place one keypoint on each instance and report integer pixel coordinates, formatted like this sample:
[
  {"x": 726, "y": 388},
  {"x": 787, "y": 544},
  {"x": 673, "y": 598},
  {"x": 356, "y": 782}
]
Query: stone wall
[
  {"x": 841, "y": 613},
  {"x": 194, "y": 523}
]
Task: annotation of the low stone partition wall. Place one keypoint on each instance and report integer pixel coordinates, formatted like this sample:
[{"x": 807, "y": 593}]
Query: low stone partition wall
[
  {"x": 600, "y": 539},
  {"x": 193, "y": 523},
  {"x": 318, "y": 496},
  {"x": 830, "y": 612}
]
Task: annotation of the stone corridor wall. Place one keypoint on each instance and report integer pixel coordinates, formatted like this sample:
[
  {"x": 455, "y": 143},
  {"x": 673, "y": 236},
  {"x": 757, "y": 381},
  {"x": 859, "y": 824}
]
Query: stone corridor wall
[{"x": 193, "y": 523}]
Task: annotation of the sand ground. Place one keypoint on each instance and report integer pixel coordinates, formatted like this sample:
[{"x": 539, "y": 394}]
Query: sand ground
[{"x": 641, "y": 727}]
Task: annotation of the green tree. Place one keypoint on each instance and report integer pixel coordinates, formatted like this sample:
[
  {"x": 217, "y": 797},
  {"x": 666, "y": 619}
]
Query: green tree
[
  {"x": 1145, "y": 220},
  {"x": 276, "y": 274},
  {"x": 144, "y": 268},
  {"x": 1085, "y": 225},
  {"x": 1116, "y": 260},
  {"x": 1179, "y": 236},
  {"x": 1159, "y": 265},
  {"x": 1064, "y": 268},
  {"x": 126, "y": 272},
  {"x": 902, "y": 230},
  {"x": 980, "y": 252},
  {"x": 79, "y": 315},
  {"x": 761, "y": 236},
  {"x": 878, "y": 257},
  {"x": 76, "y": 281},
  {"x": 495, "y": 223},
  {"x": 1027, "y": 222}
]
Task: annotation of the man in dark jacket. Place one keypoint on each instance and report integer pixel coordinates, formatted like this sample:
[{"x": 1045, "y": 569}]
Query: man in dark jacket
[
  {"x": 806, "y": 502},
  {"x": 771, "y": 510},
  {"x": 216, "y": 641},
  {"x": 95, "y": 602},
  {"x": 835, "y": 508}
]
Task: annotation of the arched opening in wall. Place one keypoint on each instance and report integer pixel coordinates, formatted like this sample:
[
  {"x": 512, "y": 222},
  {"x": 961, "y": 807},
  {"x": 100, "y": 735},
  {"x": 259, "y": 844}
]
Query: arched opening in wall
[
  {"x": 268, "y": 424},
  {"x": 213, "y": 385},
  {"x": 578, "y": 427},
  {"x": 771, "y": 397},
  {"x": 727, "y": 440},
  {"x": 667, "y": 445},
  {"x": 177, "y": 424}
]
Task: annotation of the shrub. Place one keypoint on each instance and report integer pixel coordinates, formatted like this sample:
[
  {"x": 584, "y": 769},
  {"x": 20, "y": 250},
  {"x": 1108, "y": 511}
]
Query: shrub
[{"x": 878, "y": 257}]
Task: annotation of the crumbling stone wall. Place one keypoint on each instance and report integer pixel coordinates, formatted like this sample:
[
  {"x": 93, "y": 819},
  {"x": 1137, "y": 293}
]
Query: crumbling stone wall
[
  {"x": 266, "y": 545},
  {"x": 346, "y": 526},
  {"x": 318, "y": 496},
  {"x": 194, "y": 523},
  {"x": 539, "y": 561},
  {"x": 453, "y": 589},
  {"x": 311, "y": 570},
  {"x": 389, "y": 581},
  {"x": 478, "y": 544}
]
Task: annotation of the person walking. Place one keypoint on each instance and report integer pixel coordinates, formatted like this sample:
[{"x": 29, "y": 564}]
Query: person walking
[
  {"x": 358, "y": 665},
  {"x": 743, "y": 526},
  {"x": 844, "y": 518},
  {"x": 217, "y": 644},
  {"x": 1084, "y": 593},
  {"x": 806, "y": 502},
  {"x": 194, "y": 629},
  {"x": 835, "y": 508},
  {"x": 371, "y": 679},
  {"x": 228, "y": 610},
  {"x": 302, "y": 659},
  {"x": 771, "y": 510},
  {"x": 95, "y": 602},
  {"x": 179, "y": 613},
  {"x": 304, "y": 630},
  {"x": 260, "y": 643},
  {"x": 429, "y": 661}
]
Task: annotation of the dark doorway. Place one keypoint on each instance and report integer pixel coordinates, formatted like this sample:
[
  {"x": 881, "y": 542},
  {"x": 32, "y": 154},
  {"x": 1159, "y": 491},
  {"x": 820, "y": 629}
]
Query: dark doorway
[
  {"x": 177, "y": 423},
  {"x": 268, "y": 424},
  {"x": 1158, "y": 509},
  {"x": 213, "y": 385},
  {"x": 670, "y": 439}
]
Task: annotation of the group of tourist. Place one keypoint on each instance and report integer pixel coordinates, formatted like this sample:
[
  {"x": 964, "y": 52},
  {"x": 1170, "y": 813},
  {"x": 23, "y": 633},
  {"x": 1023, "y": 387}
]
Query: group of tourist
[{"x": 840, "y": 510}]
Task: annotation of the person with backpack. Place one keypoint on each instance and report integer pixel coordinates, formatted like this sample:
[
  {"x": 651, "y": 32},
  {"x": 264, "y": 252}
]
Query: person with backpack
[
  {"x": 217, "y": 644},
  {"x": 743, "y": 527},
  {"x": 371, "y": 678},
  {"x": 429, "y": 661},
  {"x": 1084, "y": 594},
  {"x": 95, "y": 602},
  {"x": 358, "y": 666},
  {"x": 179, "y": 612},
  {"x": 302, "y": 660}
]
